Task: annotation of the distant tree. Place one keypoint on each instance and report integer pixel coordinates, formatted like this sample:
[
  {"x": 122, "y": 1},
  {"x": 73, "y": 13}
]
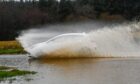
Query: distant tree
[
  {"x": 85, "y": 8},
  {"x": 65, "y": 8},
  {"x": 42, "y": 4},
  {"x": 21, "y": 1},
  {"x": 16, "y": 16},
  {"x": 47, "y": 4}
]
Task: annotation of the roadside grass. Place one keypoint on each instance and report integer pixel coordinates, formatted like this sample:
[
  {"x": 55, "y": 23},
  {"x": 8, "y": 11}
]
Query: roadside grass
[
  {"x": 12, "y": 73},
  {"x": 6, "y": 72},
  {"x": 10, "y": 47},
  {"x": 12, "y": 51},
  {"x": 10, "y": 44},
  {"x": 4, "y": 68}
]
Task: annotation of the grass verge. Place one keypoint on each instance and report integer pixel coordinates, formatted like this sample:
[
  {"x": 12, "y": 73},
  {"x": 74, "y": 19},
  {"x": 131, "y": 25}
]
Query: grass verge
[
  {"x": 6, "y": 72},
  {"x": 11, "y": 47},
  {"x": 4, "y": 68},
  {"x": 12, "y": 51}
]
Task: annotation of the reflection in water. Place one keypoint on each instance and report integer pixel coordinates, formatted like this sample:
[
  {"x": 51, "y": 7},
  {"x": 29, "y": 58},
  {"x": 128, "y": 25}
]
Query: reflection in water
[
  {"x": 67, "y": 65},
  {"x": 76, "y": 71}
]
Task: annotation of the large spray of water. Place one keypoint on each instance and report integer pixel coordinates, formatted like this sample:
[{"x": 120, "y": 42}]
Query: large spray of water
[{"x": 110, "y": 41}]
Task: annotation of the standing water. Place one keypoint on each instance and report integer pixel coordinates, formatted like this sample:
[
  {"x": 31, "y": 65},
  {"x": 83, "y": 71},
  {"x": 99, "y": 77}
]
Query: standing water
[
  {"x": 75, "y": 71},
  {"x": 94, "y": 39}
]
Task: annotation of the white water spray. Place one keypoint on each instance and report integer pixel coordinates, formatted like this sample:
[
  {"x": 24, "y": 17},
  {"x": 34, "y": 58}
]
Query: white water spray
[{"x": 117, "y": 41}]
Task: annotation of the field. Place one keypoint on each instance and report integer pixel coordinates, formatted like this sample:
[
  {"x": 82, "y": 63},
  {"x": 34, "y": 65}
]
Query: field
[
  {"x": 6, "y": 72},
  {"x": 10, "y": 47}
]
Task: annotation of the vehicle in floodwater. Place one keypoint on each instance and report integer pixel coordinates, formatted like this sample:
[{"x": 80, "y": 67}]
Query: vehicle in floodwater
[
  {"x": 66, "y": 36},
  {"x": 55, "y": 39}
]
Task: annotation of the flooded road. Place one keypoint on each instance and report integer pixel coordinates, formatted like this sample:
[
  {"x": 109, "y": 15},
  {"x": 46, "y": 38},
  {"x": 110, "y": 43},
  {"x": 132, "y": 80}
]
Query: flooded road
[{"x": 75, "y": 71}]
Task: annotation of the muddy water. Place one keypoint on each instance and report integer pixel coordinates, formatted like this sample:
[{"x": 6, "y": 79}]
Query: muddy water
[{"x": 74, "y": 71}]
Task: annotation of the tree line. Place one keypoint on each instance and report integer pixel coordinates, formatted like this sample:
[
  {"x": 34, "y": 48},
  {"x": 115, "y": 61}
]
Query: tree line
[{"x": 19, "y": 15}]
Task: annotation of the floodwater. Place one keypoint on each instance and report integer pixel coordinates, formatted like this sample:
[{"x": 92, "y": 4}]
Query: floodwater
[{"x": 74, "y": 71}]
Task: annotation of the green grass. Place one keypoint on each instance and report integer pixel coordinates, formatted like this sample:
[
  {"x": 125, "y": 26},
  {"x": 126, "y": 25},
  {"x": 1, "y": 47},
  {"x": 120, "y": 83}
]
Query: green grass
[
  {"x": 10, "y": 44},
  {"x": 11, "y": 47},
  {"x": 12, "y": 51},
  {"x": 6, "y": 72},
  {"x": 4, "y": 68}
]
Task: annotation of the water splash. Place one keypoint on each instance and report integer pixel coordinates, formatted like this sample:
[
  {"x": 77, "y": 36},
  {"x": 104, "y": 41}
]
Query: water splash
[{"x": 116, "y": 41}]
